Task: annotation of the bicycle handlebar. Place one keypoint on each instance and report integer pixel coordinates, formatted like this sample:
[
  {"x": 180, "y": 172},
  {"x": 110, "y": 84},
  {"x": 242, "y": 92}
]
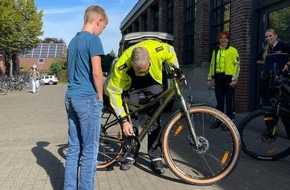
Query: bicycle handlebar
[{"x": 177, "y": 73}]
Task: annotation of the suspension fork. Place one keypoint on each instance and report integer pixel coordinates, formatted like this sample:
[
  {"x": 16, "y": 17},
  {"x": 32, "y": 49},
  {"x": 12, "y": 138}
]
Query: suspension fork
[
  {"x": 187, "y": 114},
  {"x": 189, "y": 121}
]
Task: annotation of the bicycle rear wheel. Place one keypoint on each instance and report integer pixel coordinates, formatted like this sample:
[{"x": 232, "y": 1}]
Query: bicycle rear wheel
[
  {"x": 256, "y": 140},
  {"x": 215, "y": 159},
  {"x": 111, "y": 139}
]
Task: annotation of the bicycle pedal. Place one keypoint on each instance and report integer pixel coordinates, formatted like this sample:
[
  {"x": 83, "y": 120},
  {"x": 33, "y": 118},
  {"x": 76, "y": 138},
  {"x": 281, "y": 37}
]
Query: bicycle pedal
[{"x": 121, "y": 159}]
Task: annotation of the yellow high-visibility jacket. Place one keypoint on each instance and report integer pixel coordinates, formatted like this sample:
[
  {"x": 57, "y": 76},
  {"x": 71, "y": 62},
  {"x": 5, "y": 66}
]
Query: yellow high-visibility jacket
[
  {"x": 119, "y": 80},
  {"x": 230, "y": 65}
]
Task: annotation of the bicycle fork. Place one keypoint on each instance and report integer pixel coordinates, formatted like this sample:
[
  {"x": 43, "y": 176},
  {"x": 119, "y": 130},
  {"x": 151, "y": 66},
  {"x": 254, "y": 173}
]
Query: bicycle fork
[{"x": 194, "y": 139}]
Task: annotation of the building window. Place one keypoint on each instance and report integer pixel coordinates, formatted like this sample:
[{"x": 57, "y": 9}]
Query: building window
[
  {"x": 41, "y": 60},
  {"x": 189, "y": 31},
  {"x": 220, "y": 10},
  {"x": 144, "y": 22},
  {"x": 136, "y": 26},
  {"x": 170, "y": 16},
  {"x": 280, "y": 21},
  {"x": 155, "y": 18},
  {"x": 129, "y": 30}
]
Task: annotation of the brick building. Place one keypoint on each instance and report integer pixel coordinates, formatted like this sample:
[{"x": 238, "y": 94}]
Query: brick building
[
  {"x": 195, "y": 25},
  {"x": 43, "y": 55}
]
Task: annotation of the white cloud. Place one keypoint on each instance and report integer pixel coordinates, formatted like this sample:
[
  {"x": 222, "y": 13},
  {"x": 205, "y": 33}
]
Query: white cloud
[{"x": 64, "y": 20}]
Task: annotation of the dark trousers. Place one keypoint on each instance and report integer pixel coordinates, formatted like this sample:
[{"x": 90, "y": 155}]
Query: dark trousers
[
  {"x": 267, "y": 80},
  {"x": 224, "y": 91},
  {"x": 154, "y": 144}
]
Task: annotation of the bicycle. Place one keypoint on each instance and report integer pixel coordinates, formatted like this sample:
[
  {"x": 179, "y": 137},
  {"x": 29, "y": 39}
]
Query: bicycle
[
  {"x": 194, "y": 152},
  {"x": 263, "y": 134}
]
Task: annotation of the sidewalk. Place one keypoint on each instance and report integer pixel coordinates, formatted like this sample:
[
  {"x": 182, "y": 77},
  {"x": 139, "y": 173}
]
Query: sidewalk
[{"x": 33, "y": 137}]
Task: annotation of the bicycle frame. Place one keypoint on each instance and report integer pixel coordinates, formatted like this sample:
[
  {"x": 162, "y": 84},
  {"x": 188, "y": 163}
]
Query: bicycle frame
[
  {"x": 215, "y": 151},
  {"x": 277, "y": 106},
  {"x": 279, "y": 82},
  {"x": 166, "y": 96}
]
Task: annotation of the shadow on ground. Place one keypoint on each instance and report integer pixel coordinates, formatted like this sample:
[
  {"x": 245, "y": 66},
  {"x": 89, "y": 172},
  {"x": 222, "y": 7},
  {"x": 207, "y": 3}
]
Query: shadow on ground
[{"x": 51, "y": 164}]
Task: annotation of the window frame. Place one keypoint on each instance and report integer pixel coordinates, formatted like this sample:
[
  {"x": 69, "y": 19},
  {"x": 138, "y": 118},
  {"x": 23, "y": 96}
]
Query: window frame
[
  {"x": 219, "y": 10},
  {"x": 189, "y": 30}
]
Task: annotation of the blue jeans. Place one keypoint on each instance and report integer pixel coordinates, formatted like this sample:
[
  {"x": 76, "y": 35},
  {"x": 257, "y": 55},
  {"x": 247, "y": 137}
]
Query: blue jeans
[{"x": 84, "y": 120}]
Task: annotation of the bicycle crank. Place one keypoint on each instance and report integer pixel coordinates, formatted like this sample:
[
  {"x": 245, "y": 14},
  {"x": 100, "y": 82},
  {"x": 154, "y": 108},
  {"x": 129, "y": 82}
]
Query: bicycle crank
[{"x": 131, "y": 146}]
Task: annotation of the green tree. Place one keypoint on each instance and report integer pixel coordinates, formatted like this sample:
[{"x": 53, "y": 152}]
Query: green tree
[
  {"x": 280, "y": 21},
  {"x": 20, "y": 26},
  {"x": 58, "y": 67},
  {"x": 113, "y": 53},
  {"x": 107, "y": 61},
  {"x": 52, "y": 40},
  {"x": 55, "y": 68}
]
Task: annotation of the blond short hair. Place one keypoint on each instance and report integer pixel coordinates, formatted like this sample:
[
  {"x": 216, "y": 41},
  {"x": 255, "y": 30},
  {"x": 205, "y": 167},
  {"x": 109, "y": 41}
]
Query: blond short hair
[
  {"x": 140, "y": 57},
  {"x": 92, "y": 12}
]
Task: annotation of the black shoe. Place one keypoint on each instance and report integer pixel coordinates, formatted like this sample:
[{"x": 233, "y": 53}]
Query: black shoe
[
  {"x": 127, "y": 164},
  {"x": 157, "y": 167}
]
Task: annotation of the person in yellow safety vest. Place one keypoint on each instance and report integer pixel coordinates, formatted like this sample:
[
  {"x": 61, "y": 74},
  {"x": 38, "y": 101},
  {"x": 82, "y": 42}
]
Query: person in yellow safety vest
[
  {"x": 224, "y": 69},
  {"x": 139, "y": 70}
]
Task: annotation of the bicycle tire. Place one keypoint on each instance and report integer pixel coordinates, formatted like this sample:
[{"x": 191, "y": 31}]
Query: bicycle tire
[
  {"x": 254, "y": 143},
  {"x": 111, "y": 148},
  {"x": 219, "y": 156}
]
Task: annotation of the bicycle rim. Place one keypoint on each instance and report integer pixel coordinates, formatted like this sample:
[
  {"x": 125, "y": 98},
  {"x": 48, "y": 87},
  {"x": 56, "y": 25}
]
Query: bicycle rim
[
  {"x": 110, "y": 146},
  {"x": 209, "y": 164},
  {"x": 257, "y": 143}
]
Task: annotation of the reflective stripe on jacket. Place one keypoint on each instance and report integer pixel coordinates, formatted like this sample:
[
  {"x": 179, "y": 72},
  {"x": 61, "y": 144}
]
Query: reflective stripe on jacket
[{"x": 231, "y": 64}]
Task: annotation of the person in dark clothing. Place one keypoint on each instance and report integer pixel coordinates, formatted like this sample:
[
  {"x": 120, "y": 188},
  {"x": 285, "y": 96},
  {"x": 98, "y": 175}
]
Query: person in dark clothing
[
  {"x": 274, "y": 45},
  {"x": 276, "y": 53}
]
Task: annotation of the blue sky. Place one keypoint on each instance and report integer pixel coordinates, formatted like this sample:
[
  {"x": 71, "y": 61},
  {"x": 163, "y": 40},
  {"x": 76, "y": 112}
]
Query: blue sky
[{"x": 64, "y": 18}]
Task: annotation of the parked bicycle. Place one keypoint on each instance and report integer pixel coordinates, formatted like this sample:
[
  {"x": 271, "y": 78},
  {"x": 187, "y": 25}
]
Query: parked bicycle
[
  {"x": 3, "y": 86},
  {"x": 193, "y": 150},
  {"x": 10, "y": 84},
  {"x": 263, "y": 132}
]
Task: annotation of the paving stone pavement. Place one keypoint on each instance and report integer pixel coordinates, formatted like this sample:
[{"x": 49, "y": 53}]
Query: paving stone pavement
[{"x": 33, "y": 138}]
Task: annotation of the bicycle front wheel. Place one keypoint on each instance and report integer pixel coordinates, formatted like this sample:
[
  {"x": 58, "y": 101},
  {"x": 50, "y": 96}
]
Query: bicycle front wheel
[
  {"x": 219, "y": 149},
  {"x": 260, "y": 143},
  {"x": 111, "y": 139}
]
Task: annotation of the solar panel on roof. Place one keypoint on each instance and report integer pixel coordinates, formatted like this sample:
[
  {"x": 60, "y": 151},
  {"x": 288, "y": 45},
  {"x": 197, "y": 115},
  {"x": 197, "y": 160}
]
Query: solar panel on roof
[{"x": 45, "y": 50}]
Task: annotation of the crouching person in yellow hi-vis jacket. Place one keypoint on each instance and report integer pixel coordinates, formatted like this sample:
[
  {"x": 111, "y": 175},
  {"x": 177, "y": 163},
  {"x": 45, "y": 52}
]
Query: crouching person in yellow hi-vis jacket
[{"x": 139, "y": 70}]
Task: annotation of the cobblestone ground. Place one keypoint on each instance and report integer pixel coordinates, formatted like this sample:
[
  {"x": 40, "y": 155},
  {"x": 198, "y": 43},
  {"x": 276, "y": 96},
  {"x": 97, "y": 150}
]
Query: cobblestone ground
[{"x": 33, "y": 133}]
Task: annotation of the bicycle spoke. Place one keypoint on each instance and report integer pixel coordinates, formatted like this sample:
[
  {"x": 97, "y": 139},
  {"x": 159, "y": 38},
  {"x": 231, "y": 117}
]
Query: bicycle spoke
[
  {"x": 111, "y": 139},
  {"x": 260, "y": 143},
  {"x": 213, "y": 160}
]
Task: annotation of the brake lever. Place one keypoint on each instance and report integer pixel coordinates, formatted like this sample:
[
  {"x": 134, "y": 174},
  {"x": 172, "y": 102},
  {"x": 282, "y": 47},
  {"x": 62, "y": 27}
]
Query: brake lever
[{"x": 183, "y": 79}]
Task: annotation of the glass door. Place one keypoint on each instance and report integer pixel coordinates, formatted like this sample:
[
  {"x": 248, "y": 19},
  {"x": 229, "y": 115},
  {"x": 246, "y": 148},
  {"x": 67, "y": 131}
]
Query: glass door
[
  {"x": 279, "y": 19},
  {"x": 273, "y": 14}
]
